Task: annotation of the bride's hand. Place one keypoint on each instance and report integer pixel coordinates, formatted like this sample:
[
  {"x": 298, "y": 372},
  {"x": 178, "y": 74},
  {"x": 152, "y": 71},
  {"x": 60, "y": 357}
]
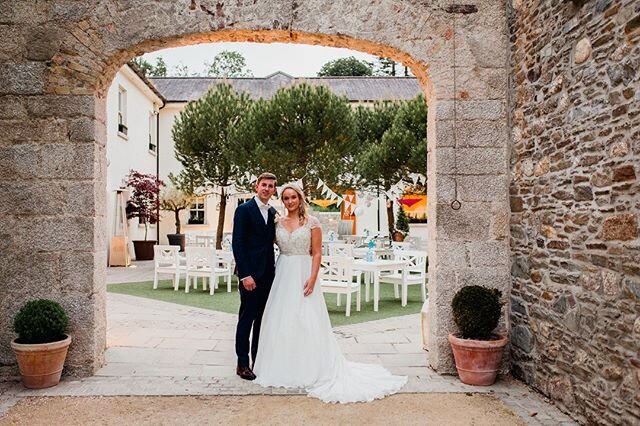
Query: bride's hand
[{"x": 308, "y": 287}]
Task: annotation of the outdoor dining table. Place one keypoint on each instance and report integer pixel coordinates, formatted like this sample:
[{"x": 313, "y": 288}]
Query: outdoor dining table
[
  {"x": 361, "y": 252},
  {"x": 376, "y": 268}
]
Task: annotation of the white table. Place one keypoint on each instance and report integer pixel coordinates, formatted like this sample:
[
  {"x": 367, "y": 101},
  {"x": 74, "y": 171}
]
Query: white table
[
  {"x": 376, "y": 268},
  {"x": 361, "y": 252}
]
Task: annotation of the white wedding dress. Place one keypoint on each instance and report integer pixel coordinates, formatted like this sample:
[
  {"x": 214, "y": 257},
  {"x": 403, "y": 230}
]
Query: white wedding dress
[{"x": 297, "y": 347}]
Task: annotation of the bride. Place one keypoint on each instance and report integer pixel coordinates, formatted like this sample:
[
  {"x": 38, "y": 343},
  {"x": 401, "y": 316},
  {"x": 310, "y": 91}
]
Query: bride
[{"x": 297, "y": 347}]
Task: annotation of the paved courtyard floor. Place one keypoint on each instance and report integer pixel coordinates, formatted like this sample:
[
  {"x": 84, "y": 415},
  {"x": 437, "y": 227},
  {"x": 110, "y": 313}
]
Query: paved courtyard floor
[{"x": 160, "y": 349}]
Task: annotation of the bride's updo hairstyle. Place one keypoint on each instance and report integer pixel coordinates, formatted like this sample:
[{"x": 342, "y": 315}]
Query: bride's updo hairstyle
[{"x": 302, "y": 208}]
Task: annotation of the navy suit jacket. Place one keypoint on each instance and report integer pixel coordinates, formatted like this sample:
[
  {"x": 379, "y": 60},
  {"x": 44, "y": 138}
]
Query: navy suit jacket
[{"x": 252, "y": 243}]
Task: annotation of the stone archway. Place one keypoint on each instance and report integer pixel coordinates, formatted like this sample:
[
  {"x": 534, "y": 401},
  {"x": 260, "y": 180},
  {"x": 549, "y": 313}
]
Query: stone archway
[{"x": 61, "y": 58}]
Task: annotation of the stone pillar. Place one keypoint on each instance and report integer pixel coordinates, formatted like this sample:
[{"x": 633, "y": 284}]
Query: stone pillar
[
  {"x": 467, "y": 162},
  {"x": 52, "y": 223}
]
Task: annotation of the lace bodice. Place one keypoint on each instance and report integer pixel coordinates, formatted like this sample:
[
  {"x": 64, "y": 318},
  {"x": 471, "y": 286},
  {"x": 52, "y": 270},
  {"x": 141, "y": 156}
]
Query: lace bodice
[{"x": 297, "y": 242}]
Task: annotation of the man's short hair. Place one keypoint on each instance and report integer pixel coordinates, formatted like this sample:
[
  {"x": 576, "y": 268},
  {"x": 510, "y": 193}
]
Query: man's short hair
[{"x": 268, "y": 176}]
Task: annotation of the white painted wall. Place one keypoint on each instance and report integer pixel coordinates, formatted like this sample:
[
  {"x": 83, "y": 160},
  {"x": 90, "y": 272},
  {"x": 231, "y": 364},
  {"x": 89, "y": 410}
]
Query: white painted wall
[{"x": 131, "y": 151}]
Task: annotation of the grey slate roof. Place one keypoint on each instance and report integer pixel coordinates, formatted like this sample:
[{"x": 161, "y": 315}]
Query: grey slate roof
[{"x": 182, "y": 89}]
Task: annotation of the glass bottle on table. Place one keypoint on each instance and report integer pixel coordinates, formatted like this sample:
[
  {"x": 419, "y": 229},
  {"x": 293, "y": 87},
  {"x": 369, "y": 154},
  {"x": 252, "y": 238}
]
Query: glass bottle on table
[{"x": 371, "y": 256}]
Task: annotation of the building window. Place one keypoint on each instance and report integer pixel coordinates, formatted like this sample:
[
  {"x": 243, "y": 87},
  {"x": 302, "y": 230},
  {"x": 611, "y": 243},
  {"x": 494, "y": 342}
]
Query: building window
[
  {"x": 196, "y": 212},
  {"x": 122, "y": 111},
  {"x": 153, "y": 144}
]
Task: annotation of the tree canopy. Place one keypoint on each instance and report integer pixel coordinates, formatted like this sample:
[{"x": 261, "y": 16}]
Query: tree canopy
[
  {"x": 395, "y": 144},
  {"x": 149, "y": 70},
  {"x": 304, "y": 132},
  {"x": 228, "y": 63},
  {"x": 206, "y": 143},
  {"x": 350, "y": 66}
]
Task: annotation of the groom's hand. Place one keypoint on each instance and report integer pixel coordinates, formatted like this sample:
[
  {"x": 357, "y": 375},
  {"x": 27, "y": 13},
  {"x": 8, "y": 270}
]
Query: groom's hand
[{"x": 249, "y": 284}]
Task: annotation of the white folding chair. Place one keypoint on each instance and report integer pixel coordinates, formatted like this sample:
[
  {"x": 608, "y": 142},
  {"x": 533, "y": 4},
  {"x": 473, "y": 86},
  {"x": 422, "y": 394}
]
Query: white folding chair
[
  {"x": 203, "y": 262},
  {"x": 336, "y": 276},
  {"x": 414, "y": 273},
  {"x": 166, "y": 260}
]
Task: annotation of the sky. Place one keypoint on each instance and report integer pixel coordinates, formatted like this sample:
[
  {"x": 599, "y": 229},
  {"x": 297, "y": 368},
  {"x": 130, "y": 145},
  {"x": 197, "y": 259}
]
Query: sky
[{"x": 298, "y": 60}]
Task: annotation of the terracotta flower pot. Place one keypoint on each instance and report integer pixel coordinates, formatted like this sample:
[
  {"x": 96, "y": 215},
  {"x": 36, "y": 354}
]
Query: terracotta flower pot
[
  {"x": 41, "y": 363},
  {"x": 477, "y": 361}
]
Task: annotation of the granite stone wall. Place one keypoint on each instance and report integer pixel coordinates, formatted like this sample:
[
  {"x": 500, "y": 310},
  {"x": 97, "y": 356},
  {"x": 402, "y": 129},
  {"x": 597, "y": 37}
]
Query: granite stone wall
[
  {"x": 58, "y": 57},
  {"x": 575, "y": 204}
]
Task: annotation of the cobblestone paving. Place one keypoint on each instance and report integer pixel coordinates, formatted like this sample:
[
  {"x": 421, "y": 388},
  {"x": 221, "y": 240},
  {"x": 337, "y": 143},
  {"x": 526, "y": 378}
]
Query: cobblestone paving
[{"x": 159, "y": 348}]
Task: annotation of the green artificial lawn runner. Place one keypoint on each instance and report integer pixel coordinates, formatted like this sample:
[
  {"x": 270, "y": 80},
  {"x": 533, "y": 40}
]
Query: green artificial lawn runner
[{"x": 230, "y": 302}]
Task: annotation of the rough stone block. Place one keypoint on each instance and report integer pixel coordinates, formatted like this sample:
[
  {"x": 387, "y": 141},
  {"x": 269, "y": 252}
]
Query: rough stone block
[
  {"x": 22, "y": 78},
  {"x": 471, "y": 222},
  {"x": 522, "y": 337},
  {"x": 481, "y": 161},
  {"x": 69, "y": 161},
  {"x": 61, "y": 106},
  {"x": 43, "y": 43},
  {"x": 483, "y": 188},
  {"x": 492, "y": 110},
  {"x": 449, "y": 254},
  {"x": 482, "y": 133},
  {"x": 489, "y": 253},
  {"x": 620, "y": 227},
  {"x": 62, "y": 233},
  {"x": 12, "y": 107}
]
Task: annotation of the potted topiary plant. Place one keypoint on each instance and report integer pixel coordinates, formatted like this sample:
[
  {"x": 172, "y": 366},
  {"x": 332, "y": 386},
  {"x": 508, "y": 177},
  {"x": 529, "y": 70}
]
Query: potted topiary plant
[
  {"x": 144, "y": 204},
  {"x": 176, "y": 198},
  {"x": 476, "y": 349},
  {"x": 402, "y": 226},
  {"x": 41, "y": 346}
]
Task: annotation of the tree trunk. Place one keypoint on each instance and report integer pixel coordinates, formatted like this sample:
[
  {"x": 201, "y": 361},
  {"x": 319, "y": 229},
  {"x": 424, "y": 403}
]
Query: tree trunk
[
  {"x": 221, "y": 215},
  {"x": 391, "y": 217},
  {"x": 177, "y": 215}
]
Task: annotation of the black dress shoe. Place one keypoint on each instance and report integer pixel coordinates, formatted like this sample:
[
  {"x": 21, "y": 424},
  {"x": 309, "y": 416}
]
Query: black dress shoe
[{"x": 245, "y": 373}]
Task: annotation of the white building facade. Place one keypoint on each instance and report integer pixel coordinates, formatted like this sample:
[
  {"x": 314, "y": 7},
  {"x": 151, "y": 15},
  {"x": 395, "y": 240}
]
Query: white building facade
[{"x": 149, "y": 107}]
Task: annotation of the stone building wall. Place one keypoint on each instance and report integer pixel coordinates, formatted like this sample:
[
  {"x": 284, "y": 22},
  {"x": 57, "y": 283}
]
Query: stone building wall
[
  {"x": 58, "y": 57},
  {"x": 575, "y": 202}
]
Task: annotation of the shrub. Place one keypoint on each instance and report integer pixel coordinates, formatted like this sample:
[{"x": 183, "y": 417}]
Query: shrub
[
  {"x": 40, "y": 321},
  {"x": 402, "y": 221},
  {"x": 476, "y": 311}
]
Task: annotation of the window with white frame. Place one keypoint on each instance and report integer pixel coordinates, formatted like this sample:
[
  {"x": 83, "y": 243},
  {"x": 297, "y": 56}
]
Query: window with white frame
[
  {"x": 197, "y": 212},
  {"x": 153, "y": 144},
  {"x": 122, "y": 111}
]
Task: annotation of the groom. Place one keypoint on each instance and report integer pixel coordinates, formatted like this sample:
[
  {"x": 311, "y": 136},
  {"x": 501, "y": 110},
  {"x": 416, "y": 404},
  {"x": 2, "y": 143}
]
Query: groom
[{"x": 254, "y": 232}]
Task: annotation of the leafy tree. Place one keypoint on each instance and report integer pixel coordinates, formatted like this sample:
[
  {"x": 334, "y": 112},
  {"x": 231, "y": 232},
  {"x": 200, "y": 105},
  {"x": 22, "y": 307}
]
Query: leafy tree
[
  {"x": 176, "y": 198},
  {"x": 350, "y": 66},
  {"x": 302, "y": 132},
  {"x": 228, "y": 64},
  {"x": 393, "y": 148},
  {"x": 206, "y": 144},
  {"x": 143, "y": 65},
  {"x": 387, "y": 66},
  {"x": 160, "y": 68},
  {"x": 149, "y": 70},
  {"x": 182, "y": 70},
  {"x": 144, "y": 201}
]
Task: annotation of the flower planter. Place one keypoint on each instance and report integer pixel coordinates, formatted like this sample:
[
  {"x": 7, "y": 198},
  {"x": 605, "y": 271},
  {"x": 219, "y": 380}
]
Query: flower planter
[
  {"x": 177, "y": 240},
  {"x": 41, "y": 364},
  {"x": 144, "y": 249},
  {"x": 477, "y": 361}
]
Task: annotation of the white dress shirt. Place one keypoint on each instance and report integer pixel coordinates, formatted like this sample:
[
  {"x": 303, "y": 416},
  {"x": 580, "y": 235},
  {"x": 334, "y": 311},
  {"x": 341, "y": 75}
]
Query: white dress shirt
[{"x": 264, "y": 208}]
